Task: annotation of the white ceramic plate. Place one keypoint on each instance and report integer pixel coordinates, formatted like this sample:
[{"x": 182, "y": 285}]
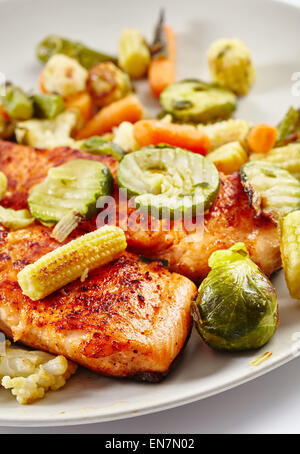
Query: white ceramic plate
[{"x": 270, "y": 29}]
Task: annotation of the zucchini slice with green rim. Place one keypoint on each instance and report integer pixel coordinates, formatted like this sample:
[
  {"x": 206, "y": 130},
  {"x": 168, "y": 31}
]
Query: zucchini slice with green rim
[
  {"x": 15, "y": 219},
  {"x": 167, "y": 181},
  {"x": 74, "y": 186},
  {"x": 193, "y": 101},
  {"x": 272, "y": 191}
]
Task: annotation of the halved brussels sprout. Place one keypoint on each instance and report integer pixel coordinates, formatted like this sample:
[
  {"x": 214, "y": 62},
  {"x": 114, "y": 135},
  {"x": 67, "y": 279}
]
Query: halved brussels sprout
[
  {"x": 236, "y": 307},
  {"x": 194, "y": 101}
]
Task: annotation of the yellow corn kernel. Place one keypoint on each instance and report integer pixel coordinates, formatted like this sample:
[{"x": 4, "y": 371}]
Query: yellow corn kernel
[
  {"x": 287, "y": 157},
  {"x": 290, "y": 252},
  {"x": 3, "y": 185},
  {"x": 134, "y": 55},
  {"x": 229, "y": 158},
  {"x": 67, "y": 263},
  {"x": 226, "y": 131}
]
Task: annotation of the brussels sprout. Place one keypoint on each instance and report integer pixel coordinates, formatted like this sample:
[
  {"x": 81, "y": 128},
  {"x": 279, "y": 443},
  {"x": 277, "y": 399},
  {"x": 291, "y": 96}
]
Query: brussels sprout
[
  {"x": 236, "y": 307},
  {"x": 107, "y": 83},
  {"x": 194, "y": 101},
  {"x": 231, "y": 66}
]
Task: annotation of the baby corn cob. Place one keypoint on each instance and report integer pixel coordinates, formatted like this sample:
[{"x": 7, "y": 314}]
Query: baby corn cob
[
  {"x": 3, "y": 185},
  {"x": 67, "y": 263},
  {"x": 227, "y": 131},
  {"x": 134, "y": 56},
  {"x": 290, "y": 252},
  {"x": 287, "y": 157},
  {"x": 229, "y": 158}
]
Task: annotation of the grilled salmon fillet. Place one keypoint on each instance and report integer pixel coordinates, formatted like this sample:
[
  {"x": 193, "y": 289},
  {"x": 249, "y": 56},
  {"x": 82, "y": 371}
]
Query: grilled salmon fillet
[
  {"x": 128, "y": 318},
  {"x": 229, "y": 220}
]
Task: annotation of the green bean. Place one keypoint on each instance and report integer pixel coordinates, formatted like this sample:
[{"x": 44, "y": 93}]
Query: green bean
[
  {"x": 48, "y": 105},
  {"x": 54, "y": 44},
  {"x": 17, "y": 104}
]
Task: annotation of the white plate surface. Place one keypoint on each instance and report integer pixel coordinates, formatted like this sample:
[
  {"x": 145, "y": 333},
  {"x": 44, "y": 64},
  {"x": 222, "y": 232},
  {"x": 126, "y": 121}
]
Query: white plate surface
[{"x": 270, "y": 29}]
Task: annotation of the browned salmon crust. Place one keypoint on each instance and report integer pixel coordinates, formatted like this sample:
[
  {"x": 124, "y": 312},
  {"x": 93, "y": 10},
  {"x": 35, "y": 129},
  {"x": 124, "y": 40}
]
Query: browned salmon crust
[
  {"x": 230, "y": 220},
  {"x": 128, "y": 318}
]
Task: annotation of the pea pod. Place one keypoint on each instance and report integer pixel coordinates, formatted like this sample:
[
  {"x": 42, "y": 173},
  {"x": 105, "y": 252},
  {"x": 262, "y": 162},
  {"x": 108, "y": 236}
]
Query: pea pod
[{"x": 54, "y": 44}]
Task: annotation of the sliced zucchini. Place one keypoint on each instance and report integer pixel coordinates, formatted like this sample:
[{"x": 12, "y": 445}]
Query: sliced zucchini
[
  {"x": 15, "y": 219},
  {"x": 167, "y": 181},
  {"x": 98, "y": 146},
  {"x": 287, "y": 158},
  {"x": 272, "y": 190},
  {"x": 74, "y": 186},
  {"x": 197, "y": 102}
]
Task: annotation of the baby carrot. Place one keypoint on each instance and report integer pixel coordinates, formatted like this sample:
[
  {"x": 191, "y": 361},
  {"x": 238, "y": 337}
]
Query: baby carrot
[
  {"x": 161, "y": 72},
  {"x": 154, "y": 132},
  {"x": 262, "y": 138},
  {"x": 127, "y": 109},
  {"x": 41, "y": 83},
  {"x": 82, "y": 103}
]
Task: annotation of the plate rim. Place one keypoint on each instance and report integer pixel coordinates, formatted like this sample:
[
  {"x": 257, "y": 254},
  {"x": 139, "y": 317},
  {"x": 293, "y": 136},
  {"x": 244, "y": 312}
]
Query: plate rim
[{"x": 98, "y": 416}]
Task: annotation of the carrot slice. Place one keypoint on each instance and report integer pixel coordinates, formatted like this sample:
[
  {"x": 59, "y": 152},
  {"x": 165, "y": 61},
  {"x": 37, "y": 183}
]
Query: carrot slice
[
  {"x": 3, "y": 113},
  {"x": 83, "y": 103},
  {"x": 262, "y": 138},
  {"x": 161, "y": 72},
  {"x": 155, "y": 132},
  {"x": 127, "y": 109},
  {"x": 41, "y": 83}
]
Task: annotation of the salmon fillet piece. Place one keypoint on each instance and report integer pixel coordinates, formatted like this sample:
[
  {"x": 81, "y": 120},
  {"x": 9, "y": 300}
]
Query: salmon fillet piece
[
  {"x": 229, "y": 220},
  {"x": 128, "y": 318}
]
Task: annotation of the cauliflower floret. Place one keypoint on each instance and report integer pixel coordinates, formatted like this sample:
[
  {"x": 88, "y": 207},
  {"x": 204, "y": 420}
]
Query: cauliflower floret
[
  {"x": 64, "y": 75},
  {"x": 30, "y": 374},
  {"x": 231, "y": 66},
  {"x": 226, "y": 131},
  {"x": 48, "y": 133},
  {"x": 123, "y": 136}
]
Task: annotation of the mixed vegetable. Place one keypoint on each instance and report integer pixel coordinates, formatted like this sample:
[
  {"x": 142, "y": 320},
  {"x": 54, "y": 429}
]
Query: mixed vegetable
[
  {"x": 171, "y": 165},
  {"x": 236, "y": 308}
]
